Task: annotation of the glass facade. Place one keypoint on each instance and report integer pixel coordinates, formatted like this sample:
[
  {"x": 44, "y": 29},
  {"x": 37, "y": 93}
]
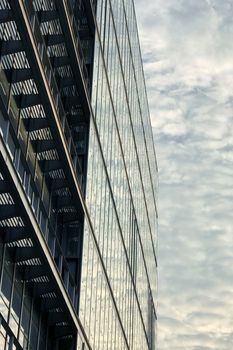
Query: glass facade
[
  {"x": 121, "y": 192},
  {"x": 78, "y": 179}
]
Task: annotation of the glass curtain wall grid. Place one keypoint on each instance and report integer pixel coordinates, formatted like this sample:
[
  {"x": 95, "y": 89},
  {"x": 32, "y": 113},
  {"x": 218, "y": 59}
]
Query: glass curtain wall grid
[
  {"x": 121, "y": 191},
  {"x": 78, "y": 179}
]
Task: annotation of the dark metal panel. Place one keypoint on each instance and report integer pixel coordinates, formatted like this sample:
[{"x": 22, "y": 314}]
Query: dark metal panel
[
  {"x": 56, "y": 317},
  {"x": 17, "y": 75},
  {"x": 48, "y": 305},
  {"x": 50, "y": 165},
  {"x": 47, "y": 15},
  {"x": 10, "y": 47},
  {"x": 27, "y": 100},
  {"x": 6, "y": 15},
  {"x": 42, "y": 145},
  {"x": 62, "y": 331},
  {"x": 14, "y": 234},
  {"x": 32, "y": 272},
  {"x": 54, "y": 39},
  {"x": 43, "y": 289},
  {"x": 33, "y": 124},
  {"x": 25, "y": 253},
  {"x": 2, "y": 186},
  {"x": 7, "y": 211},
  {"x": 60, "y": 61}
]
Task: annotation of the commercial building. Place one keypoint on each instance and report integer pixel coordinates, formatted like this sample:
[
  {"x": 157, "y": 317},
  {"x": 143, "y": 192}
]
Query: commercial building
[{"x": 78, "y": 179}]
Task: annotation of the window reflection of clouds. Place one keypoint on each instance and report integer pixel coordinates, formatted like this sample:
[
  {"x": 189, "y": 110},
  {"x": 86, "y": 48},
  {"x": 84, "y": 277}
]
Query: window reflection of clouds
[{"x": 130, "y": 215}]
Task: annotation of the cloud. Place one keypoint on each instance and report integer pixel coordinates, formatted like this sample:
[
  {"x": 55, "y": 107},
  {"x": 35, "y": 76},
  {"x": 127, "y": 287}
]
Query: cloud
[{"x": 187, "y": 51}]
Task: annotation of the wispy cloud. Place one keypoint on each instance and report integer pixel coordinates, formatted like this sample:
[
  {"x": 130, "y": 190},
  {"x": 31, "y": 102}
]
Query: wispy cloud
[{"x": 187, "y": 50}]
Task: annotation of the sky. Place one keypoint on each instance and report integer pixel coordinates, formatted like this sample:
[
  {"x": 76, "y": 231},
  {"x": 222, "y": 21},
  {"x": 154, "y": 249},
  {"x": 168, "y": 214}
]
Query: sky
[{"x": 187, "y": 48}]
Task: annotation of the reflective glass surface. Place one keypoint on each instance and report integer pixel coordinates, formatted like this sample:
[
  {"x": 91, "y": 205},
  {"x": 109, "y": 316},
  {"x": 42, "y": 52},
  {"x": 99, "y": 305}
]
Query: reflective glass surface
[{"x": 119, "y": 273}]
